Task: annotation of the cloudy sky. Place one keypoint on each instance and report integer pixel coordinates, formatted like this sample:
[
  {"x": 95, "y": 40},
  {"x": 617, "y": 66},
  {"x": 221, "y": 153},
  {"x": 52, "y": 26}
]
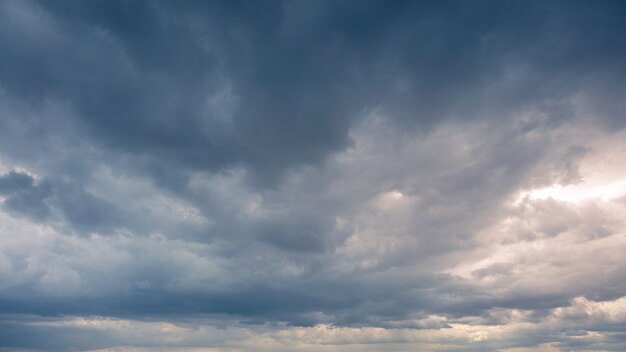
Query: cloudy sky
[{"x": 312, "y": 176}]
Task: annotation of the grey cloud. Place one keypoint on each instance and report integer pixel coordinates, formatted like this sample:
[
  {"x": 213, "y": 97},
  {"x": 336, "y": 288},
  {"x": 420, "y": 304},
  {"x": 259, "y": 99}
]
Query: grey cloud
[
  {"x": 86, "y": 212},
  {"x": 40, "y": 200},
  {"x": 15, "y": 181},
  {"x": 293, "y": 106},
  {"x": 303, "y": 163},
  {"x": 24, "y": 196}
]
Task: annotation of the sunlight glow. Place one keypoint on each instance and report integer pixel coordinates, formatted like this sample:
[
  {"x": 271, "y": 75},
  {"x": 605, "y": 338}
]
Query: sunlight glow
[{"x": 576, "y": 193}]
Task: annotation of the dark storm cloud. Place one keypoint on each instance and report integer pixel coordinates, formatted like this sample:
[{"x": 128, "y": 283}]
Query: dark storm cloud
[
  {"x": 24, "y": 196},
  {"x": 140, "y": 75},
  {"x": 15, "y": 181},
  {"x": 85, "y": 212},
  {"x": 219, "y": 157}
]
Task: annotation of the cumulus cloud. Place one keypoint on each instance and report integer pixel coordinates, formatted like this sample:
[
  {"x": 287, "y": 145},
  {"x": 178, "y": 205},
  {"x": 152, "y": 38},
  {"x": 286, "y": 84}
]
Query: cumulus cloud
[{"x": 312, "y": 176}]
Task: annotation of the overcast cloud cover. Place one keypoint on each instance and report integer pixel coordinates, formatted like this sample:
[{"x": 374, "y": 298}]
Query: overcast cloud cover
[{"x": 312, "y": 175}]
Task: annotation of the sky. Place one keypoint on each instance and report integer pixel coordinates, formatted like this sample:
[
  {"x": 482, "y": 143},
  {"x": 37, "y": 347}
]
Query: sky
[{"x": 237, "y": 176}]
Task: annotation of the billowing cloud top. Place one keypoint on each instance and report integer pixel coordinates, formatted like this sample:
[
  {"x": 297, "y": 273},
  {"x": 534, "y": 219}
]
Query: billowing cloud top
[{"x": 313, "y": 175}]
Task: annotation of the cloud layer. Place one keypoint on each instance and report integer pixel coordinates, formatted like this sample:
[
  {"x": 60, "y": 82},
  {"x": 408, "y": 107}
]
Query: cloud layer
[{"x": 284, "y": 176}]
